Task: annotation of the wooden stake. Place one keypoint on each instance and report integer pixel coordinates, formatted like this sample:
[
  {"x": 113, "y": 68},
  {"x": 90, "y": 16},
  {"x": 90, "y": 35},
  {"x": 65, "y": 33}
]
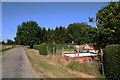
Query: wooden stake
[{"x": 102, "y": 61}]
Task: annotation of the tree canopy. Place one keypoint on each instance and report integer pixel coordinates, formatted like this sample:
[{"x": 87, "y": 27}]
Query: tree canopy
[
  {"x": 81, "y": 33},
  {"x": 28, "y": 33},
  {"x": 108, "y": 25}
]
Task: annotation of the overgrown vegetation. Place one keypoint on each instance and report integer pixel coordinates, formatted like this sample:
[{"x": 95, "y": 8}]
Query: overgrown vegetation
[
  {"x": 91, "y": 68},
  {"x": 111, "y": 61}
]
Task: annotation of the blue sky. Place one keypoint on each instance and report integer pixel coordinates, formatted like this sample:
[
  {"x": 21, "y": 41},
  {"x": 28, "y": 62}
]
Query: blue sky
[{"x": 46, "y": 14}]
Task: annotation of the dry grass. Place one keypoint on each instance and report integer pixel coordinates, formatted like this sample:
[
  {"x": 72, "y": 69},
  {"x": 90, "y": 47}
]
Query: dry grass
[
  {"x": 48, "y": 67},
  {"x": 5, "y": 48}
]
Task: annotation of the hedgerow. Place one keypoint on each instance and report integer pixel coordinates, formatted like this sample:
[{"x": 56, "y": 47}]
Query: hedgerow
[{"x": 111, "y": 61}]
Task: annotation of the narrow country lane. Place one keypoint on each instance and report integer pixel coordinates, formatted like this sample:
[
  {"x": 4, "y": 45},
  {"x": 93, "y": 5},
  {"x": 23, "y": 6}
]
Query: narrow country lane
[{"x": 15, "y": 65}]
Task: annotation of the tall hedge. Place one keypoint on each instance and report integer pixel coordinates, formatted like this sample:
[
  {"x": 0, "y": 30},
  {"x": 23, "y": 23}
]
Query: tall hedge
[
  {"x": 43, "y": 48},
  {"x": 111, "y": 62}
]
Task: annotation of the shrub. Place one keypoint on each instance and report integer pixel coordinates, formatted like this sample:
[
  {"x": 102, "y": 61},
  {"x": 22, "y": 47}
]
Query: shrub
[
  {"x": 42, "y": 48},
  {"x": 111, "y": 61}
]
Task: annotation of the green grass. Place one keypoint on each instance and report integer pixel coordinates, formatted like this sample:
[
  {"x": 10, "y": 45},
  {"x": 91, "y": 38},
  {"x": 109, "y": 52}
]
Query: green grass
[
  {"x": 91, "y": 68},
  {"x": 47, "y": 70}
]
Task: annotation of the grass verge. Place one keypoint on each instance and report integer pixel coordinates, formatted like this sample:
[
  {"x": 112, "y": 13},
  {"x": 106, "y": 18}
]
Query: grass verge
[
  {"x": 48, "y": 68},
  {"x": 91, "y": 68},
  {"x": 44, "y": 68}
]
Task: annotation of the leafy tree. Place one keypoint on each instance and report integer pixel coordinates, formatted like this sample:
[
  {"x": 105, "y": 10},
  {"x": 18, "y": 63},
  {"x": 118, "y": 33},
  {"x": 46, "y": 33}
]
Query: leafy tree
[
  {"x": 91, "y": 19},
  {"x": 28, "y": 33},
  {"x": 81, "y": 33},
  {"x": 44, "y": 34},
  {"x": 74, "y": 32},
  {"x": 108, "y": 23},
  {"x": 3, "y": 43},
  {"x": 10, "y": 42},
  {"x": 50, "y": 36},
  {"x": 60, "y": 34}
]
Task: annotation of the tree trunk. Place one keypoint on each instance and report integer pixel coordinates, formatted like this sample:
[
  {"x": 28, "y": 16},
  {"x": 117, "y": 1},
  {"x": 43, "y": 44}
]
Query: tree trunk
[{"x": 31, "y": 46}]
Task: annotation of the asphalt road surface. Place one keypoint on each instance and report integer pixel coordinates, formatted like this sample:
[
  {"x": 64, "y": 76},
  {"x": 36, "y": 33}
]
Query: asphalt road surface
[{"x": 15, "y": 65}]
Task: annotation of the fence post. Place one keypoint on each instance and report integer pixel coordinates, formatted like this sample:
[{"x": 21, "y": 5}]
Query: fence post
[
  {"x": 63, "y": 52},
  {"x": 78, "y": 59},
  {"x": 53, "y": 50},
  {"x": 47, "y": 50},
  {"x": 102, "y": 61}
]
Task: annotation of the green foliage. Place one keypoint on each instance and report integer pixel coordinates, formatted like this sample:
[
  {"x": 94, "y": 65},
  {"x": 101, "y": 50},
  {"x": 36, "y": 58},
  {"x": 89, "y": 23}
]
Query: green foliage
[
  {"x": 108, "y": 23},
  {"x": 60, "y": 35},
  {"x": 48, "y": 48},
  {"x": 88, "y": 68},
  {"x": 111, "y": 61},
  {"x": 10, "y": 42},
  {"x": 108, "y": 17},
  {"x": 81, "y": 33},
  {"x": 91, "y": 19},
  {"x": 73, "y": 65},
  {"x": 42, "y": 48},
  {"x": 28, "y": 33},
  {"x": 3, "y": 43},
  {"x": 44, "y": 35}
]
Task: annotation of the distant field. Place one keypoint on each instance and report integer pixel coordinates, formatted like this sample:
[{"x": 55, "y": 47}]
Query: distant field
[{"x": 4, "y": 48}]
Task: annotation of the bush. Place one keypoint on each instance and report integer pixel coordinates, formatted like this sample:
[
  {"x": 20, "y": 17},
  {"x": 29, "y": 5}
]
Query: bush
[
  {"x": 111, "y": 61},
  {"x": 42, "y": 48}
]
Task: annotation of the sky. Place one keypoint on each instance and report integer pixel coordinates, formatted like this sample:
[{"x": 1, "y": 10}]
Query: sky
[{"x": 46, "y": 14}]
